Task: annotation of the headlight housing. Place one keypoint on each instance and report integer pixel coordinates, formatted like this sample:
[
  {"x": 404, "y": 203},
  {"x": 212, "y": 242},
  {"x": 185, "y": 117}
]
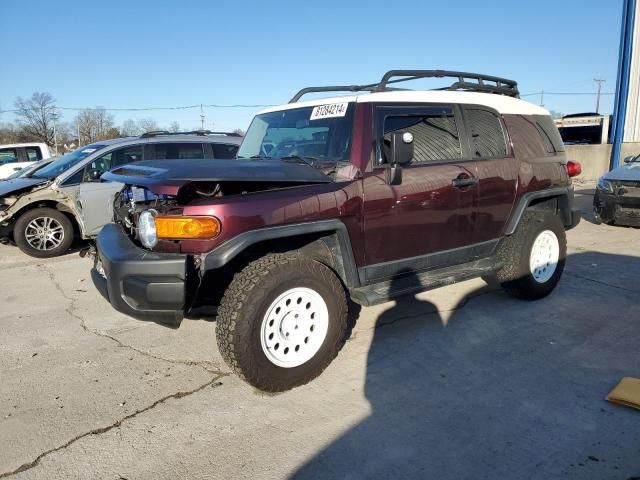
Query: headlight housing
[
  {"x": 147, "y": 233},
  {"x": 605, "y": 185}
]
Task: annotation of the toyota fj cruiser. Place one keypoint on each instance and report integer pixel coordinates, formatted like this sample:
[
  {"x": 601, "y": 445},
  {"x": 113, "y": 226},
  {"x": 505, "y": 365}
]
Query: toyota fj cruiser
[{"x": 369, "y": 196}]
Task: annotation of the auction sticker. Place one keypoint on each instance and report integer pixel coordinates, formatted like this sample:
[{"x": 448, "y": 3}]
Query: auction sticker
[{"x": 329, "y": 111}]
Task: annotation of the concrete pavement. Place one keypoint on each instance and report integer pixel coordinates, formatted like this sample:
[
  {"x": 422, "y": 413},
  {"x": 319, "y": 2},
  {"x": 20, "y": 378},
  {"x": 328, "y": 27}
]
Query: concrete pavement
[{"x": 460, "y": 382}]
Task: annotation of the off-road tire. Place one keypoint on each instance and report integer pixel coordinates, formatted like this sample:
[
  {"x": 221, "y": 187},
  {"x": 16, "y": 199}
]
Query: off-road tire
[
  {"x": 514, "y": 251},
  {"x": 19, "y": 232},
  {"x": 244, "y": 305}
]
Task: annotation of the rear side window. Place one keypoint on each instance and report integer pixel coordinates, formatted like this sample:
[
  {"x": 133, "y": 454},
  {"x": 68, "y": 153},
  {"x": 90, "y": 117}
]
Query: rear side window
[
  {"x": 549, "y": 133},
  {"x": 435, "y": 136},
  {"x": 221, "y": 150},
  {"x": 486, "y": 135},
  {"x": 179, "y": 151},
  {"x": 8, "y": 155},
  {"x": 33, "y": 153}
]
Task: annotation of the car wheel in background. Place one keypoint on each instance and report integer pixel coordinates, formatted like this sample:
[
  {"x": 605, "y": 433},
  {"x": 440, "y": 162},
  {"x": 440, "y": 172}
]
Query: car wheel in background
[{"x": 43, "y": 233}]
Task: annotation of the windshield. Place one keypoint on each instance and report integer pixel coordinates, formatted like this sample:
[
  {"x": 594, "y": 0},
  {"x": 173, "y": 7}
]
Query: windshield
[
  {"x": 65, "y": 162},
  {"x": 311, "y": 133},
  {"x": 19, "y": 173}
]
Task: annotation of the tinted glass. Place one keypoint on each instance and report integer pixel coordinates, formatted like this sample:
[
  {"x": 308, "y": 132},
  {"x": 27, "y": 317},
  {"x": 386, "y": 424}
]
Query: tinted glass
[
  {"x": 8, "y": 155},
  {"x": 549, "y": 133},
  {"x": 178, "y": 151},
  {"x": 224, "y": 151},
  {"x": 33, "y": 154},
  {"x": 486, "y": 135},
  {"x": 435, "y": 137}
]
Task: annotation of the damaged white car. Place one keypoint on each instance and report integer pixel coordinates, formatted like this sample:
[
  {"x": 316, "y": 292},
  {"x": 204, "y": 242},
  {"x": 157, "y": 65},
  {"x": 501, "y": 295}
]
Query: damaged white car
[{"x": 45, "y": 210}]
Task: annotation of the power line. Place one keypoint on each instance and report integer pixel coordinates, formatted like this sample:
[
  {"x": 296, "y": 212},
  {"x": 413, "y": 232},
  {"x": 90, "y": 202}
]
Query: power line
[
  {"x": 564, "y": 93},
  {"x": 148, "y": 109}
]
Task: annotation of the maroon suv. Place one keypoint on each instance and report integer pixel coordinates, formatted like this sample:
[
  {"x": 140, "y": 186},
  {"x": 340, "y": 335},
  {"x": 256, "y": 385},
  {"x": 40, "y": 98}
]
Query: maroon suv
[{"x": 370, "y": 196}]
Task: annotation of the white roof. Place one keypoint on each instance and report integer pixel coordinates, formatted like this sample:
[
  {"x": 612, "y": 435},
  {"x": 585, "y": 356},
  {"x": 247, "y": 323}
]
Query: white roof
[{"x": 501, "y": 103}]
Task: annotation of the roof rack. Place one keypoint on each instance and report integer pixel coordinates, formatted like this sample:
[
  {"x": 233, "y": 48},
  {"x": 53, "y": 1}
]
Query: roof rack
[
  {"x": 157, "y": 133},
  {"x": 465, "y": 81}
]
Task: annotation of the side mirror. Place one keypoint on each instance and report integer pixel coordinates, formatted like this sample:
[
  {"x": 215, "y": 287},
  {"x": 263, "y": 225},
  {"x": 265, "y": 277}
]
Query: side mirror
[
  {"x": 401, "y": 148},
  {"x": 401, "y": 154},
  {"x": 94, "y": 174}
]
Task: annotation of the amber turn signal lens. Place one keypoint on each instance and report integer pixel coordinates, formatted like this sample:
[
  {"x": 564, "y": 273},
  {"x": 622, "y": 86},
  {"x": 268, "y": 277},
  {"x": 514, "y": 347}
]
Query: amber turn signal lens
[{"x": 187, "y": 227}]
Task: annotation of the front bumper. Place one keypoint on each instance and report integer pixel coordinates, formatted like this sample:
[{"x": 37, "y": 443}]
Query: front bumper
[
  {"x": 617, "y": 208},
  {"x": 139, "y": 283}
]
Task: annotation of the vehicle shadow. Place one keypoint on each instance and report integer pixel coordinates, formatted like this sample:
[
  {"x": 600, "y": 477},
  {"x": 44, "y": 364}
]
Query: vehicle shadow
[{"x": 500, "y": 388}]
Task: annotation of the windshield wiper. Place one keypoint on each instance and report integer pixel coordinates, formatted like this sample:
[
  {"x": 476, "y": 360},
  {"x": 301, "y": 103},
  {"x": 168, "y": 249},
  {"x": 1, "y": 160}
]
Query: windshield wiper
[{"x": 309, "y": 160}]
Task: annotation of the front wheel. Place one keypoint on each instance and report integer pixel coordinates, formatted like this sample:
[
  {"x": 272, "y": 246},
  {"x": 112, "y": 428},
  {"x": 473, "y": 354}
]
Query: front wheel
[
  {"x": 43, "y": 233},
  {"x": 533, "y": 256},
  {"x": 281, "y": 322}
]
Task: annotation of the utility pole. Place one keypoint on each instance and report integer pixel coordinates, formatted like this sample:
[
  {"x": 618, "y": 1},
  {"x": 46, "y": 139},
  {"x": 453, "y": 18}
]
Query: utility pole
[
  {"x": 599, "y": 81},
  {"x": 54, "y": 116},
  {"x": 201, "y": 118},
  {"x": 542, "y": 98}
]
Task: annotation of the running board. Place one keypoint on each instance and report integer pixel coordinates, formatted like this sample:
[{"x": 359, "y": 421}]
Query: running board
[{"x": 407, "y": 283}]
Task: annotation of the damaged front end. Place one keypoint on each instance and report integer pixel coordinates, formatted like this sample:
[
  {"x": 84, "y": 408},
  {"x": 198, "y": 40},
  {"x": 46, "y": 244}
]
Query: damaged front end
[
  {"x": 149, "y": 262},
  {"x": 15, "y": 195},
  {"x": 617, "y": 202}
]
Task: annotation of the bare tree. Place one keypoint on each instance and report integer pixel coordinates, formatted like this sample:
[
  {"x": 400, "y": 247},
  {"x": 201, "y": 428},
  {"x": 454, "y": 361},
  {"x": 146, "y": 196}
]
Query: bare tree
[
  {"x": 174, "y": 127},
  {"x": 10, "y": 133},
  {"x": 35, "y": 116},
  {"x": 239, "y": 131},
  {"x": 129, "y": 128},
  {"x": 95, "y": 124},
  {"x": 147, "y": 125}
]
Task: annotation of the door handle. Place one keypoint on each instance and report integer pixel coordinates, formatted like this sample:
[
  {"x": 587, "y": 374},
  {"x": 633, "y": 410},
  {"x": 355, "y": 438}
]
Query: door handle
[{"x": 464, "y": 180}]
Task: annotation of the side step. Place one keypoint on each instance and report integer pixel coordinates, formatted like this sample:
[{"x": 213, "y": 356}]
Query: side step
[{"x": 382, "y": 292}]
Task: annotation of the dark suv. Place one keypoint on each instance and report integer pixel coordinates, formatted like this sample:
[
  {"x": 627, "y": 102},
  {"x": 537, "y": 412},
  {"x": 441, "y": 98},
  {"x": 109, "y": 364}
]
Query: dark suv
[{"x": 369, "y": 196}]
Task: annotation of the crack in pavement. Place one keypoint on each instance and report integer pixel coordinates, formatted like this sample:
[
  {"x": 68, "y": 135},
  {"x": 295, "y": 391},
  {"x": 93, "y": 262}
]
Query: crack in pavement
[
  {"x": 214, "y": 382},
  {"x": 71, "y": 310}
]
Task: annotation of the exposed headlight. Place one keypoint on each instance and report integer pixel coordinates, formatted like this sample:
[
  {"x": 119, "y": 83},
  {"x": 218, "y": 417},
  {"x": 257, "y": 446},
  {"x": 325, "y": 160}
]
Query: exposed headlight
[
  {"x": 605, "y": 185},
  {"x": 147, "y": 229}
]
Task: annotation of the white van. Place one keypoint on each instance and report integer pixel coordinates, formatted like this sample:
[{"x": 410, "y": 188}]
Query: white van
[{"x": 16, "y": 156}]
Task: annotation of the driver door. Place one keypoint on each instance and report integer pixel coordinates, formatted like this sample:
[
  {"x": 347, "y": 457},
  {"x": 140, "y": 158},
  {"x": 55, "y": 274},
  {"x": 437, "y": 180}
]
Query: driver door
[{"x": 95, "y": 199}]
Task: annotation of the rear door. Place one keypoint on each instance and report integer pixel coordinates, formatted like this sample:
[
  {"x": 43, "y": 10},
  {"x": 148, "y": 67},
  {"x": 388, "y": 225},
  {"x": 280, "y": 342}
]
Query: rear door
[
  {"x": 95, "y": 199},
  {"x": 497, "y": 171},
  {"x": 427, "y": 221}
]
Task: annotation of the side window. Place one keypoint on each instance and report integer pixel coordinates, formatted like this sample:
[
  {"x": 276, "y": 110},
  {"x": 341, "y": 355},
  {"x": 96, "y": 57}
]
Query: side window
[
  {"x": 33, "y": 154},
  {"x": 549, "y": 133},
  {"x": 435, "y": 136},
  {"x": 94, "y": 170},
  {"x": 8, "y": 155},
  {"x": 486, "y": 135},
  {"x": 178, "y": 151},
  {"x": 221, "y": 150}
]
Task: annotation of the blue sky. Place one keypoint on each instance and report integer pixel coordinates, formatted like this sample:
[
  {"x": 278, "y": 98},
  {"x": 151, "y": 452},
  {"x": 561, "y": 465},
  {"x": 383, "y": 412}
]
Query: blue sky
[{"x": 122, "y": 54}]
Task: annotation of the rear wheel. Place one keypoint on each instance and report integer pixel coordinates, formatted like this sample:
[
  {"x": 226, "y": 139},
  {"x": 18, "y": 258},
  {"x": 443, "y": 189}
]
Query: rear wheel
[
  {"x": 43, "y": 233},
  {"x": 281, "y": 321},
  {"x": 533, "y": 256}
]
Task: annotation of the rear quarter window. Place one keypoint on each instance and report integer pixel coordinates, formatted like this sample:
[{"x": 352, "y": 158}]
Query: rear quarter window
[
  {"x": 224, "y": 151},
  {"x": 533, "y": 135}
]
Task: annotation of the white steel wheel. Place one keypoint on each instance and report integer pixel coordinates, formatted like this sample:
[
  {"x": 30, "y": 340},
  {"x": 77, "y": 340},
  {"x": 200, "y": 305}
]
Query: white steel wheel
[
  {"x": 44, "y": 233},
  {"x": 543, "y": 259},
  {"x": 294, "y": 327}
]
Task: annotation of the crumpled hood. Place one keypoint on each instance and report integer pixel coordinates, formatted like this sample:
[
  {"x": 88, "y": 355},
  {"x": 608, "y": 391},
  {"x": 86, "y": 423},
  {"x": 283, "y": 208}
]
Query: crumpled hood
[
  {"x": 16, "y": 185},
  {"x": 168, "y": 176},
  {"x": 628, "y": 171}
]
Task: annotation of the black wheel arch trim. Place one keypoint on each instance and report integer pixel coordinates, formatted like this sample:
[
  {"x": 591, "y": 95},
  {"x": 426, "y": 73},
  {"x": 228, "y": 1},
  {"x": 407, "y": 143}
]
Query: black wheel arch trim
[
  {"x": 565, "y": 206},
  {"x": 224, "y": 253}
]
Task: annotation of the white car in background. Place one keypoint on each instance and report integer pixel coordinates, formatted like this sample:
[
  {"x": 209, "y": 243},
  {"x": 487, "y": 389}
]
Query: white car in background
[{"x": 14, "y": 157}]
